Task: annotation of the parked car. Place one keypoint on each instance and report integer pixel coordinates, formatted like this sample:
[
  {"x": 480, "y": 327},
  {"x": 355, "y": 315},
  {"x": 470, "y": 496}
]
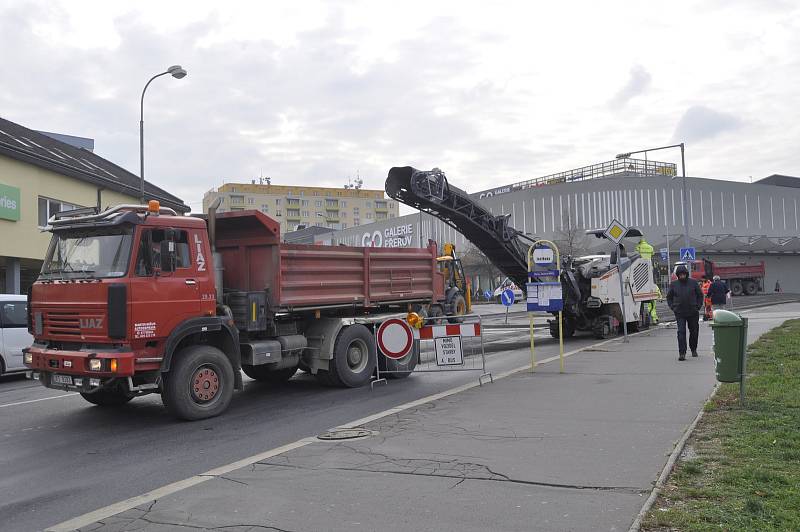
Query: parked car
[
  {"x": 14, "y": 336},
  {"x": 506, "y": 284}
]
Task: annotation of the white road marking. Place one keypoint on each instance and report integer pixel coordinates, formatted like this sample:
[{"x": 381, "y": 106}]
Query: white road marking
[
  {"x": 37, "y": 400},
  {"x": 122, "y": 506}
]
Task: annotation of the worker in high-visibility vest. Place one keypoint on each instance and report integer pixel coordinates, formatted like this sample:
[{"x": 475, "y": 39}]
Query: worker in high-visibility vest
[
  {"x": 708, "y": 312},
  {"x": 645, "y": 250}
]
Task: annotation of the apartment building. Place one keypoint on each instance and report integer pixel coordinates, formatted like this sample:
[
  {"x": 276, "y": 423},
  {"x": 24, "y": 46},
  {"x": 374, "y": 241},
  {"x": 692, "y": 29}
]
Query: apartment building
[{"x": 296, "y": 206}]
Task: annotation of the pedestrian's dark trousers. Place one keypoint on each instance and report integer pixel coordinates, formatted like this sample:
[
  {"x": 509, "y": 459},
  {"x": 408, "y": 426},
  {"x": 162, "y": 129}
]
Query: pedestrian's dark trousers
[{"x": 693, "y": 322}]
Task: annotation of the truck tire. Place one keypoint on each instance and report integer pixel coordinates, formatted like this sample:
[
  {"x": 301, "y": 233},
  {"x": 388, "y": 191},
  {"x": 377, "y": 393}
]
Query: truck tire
[
  {"x": 108, "y": 397},
  {"x": 200, "y": 383},
  {"x": 459, "y": 309},
  {"x": 750, "y": 288},
  {"x": 736, "y": 287},
  {"x": 354, "y": 358},
  {"x": 399, "y": 368},
  {"x": 264, "y": 374}
]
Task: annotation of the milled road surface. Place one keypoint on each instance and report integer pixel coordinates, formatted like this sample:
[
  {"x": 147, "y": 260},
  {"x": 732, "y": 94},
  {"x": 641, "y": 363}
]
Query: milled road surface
[{"x": 61, "y": 457}]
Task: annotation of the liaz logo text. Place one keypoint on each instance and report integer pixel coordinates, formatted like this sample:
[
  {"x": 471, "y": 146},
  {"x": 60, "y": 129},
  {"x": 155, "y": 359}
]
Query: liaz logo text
[{"x": 91, "y": 323}]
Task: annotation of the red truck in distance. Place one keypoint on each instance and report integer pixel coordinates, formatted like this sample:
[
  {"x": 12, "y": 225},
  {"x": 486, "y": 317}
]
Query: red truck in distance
[
  {"x": 137, "y": 300},
  {"x": 742, "y": 279}
]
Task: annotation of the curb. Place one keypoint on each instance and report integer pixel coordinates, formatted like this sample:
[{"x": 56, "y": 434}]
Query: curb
[{"x": 668, "y": 467}]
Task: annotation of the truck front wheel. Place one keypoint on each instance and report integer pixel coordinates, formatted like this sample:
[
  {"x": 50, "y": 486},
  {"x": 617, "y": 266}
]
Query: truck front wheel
[
  {"x": 200, "y": 383},
  {"x": 354, "y": 358}
]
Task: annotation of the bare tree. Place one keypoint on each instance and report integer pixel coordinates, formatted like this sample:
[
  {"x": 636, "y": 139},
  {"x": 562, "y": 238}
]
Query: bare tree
[
  {"x": 476, "y": 263},
  {"x": 571, "y": 240}
]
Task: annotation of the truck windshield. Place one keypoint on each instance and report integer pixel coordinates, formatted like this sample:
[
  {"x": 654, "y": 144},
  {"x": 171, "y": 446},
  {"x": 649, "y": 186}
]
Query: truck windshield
[{"x": 88, "y": 253}]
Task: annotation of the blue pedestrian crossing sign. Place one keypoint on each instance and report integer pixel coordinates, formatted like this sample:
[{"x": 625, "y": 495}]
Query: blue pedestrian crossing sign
[
  {"x": 507, "y": 297},
  {"x": 687, "y": 254}
]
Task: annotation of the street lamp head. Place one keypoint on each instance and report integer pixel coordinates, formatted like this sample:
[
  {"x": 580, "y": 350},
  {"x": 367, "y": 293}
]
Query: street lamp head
[
  {"x": 177, "y": 71},
  {"x": 623, "y": 155}
]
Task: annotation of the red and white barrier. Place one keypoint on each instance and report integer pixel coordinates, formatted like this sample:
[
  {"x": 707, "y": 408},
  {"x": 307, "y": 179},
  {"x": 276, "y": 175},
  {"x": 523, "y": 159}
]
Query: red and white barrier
[{"x": 429, "y": 332}]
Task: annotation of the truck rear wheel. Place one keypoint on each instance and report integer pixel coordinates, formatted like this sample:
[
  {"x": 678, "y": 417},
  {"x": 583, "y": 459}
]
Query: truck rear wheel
[
  {"x": 399, "y": 368},
  {"x": 736, "y": 287},
  {"x": 265, "y": 375},
  {"x": 750, "y": 288},
  {"x": 200, "y": 383},
  {"x": 108, "y": 397},
  {"x": 354, "y": 358}
]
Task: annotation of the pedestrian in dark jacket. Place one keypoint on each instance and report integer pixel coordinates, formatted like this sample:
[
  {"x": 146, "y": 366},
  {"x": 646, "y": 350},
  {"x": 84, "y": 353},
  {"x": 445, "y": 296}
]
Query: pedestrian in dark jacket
[
  {"x": 718, "y": 293},
  {"x": 685, "y": 299}
]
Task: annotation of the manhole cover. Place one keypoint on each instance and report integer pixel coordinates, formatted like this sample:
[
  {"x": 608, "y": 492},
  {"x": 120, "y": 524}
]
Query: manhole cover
[{"x": 345, "y": 434}]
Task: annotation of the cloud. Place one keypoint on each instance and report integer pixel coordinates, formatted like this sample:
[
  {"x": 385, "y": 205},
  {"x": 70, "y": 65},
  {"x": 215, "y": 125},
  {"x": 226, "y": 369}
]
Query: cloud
[
  {"x": 361, "y": 88},
  {"x": 701, "y": 123},
  {"x": 638, "y": 82}
]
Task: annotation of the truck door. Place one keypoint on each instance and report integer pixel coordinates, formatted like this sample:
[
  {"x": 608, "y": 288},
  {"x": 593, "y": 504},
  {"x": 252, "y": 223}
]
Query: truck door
[{"x": 161, "y": 299}]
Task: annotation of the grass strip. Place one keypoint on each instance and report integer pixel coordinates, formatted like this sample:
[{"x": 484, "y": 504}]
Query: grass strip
[{"x": 741, "y": 467}]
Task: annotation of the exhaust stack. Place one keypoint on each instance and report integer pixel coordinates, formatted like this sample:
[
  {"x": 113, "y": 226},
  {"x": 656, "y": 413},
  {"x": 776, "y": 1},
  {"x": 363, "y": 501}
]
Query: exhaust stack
[{"x": 216, "y": 258}]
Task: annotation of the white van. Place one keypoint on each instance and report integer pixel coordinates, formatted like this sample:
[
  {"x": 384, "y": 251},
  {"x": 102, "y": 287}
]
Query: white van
[{"x": 14, "y": 336}]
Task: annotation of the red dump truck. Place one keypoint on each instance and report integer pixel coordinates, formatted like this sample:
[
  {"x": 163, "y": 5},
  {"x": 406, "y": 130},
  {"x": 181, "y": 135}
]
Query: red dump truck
[
  {"x": 747, "y": 279},
  {"x": 137, "y": 300}
]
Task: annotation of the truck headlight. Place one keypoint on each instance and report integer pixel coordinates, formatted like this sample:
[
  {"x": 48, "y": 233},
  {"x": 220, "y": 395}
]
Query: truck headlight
[
  {"x": 95, "y": 364},
  {"x": 28, "y": 358}
]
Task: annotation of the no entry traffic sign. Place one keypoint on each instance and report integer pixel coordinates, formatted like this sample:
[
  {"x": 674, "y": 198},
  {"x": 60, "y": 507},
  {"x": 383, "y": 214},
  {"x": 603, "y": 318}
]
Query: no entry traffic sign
[{"x": 395, "y": 338}]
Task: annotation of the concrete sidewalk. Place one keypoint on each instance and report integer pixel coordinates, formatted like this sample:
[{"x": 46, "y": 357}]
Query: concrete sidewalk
[{"x": 544, "y": 451}]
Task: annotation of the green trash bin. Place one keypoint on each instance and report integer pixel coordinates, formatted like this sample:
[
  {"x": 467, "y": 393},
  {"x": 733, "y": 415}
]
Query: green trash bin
[{"x": 730, "y": 344}]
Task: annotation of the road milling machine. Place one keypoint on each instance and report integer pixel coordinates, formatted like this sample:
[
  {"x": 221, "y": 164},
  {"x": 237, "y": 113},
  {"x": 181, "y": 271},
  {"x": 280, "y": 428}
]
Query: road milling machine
[{"x": 590, "y": 284}]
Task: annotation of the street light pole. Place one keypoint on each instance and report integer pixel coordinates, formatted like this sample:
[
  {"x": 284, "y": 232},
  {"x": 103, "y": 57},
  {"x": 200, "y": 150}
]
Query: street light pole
[
  {"x": 683, "y": 190},
  {"x": 177, "y": 72},
  {"x": 684, "y": 200}
]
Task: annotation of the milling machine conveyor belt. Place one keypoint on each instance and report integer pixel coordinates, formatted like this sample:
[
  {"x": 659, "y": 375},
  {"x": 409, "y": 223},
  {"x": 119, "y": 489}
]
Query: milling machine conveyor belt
[{"x": 430, "y": 192}]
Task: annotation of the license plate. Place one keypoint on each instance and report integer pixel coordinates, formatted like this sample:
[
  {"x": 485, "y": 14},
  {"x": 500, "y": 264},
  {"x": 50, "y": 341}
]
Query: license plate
[{"x": 61, "y": 379}]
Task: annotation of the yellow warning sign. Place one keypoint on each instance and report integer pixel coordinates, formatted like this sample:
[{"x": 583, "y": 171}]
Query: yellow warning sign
[{"x": 615, "y": 231}]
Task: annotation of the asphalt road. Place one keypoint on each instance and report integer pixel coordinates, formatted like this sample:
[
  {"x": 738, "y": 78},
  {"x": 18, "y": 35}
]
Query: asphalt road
[{"x": 61, "y": 457}]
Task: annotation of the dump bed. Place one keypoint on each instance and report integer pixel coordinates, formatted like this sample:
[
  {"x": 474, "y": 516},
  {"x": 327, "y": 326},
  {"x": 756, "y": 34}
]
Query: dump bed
[
  {"x": 309, "y": 277},
  {"x": 729, "y": 271}
]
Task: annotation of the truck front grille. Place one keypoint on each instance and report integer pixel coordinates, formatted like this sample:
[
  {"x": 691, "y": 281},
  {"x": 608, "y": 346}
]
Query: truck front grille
[{"x": 62, "y": 324}]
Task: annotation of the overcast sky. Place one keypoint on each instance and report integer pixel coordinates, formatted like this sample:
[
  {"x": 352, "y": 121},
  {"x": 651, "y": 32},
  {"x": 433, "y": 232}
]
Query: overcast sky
[{"x": 313, "y": 93}]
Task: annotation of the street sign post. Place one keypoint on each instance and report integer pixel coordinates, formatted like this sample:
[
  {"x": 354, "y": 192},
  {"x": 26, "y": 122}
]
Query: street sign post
[
  {"x": 448, "y": 351},
  {"x": 543, "y": 256},
  {"x": 395, "y": 338},
  {"x": 507, "y": 299},
  {"x": 545, "y": 296},
  {"x": 616, "y": 232}
]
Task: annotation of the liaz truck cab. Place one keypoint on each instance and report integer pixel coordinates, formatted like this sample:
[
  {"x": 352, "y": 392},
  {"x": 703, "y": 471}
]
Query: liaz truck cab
[{"x": 136, "y": 300}]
